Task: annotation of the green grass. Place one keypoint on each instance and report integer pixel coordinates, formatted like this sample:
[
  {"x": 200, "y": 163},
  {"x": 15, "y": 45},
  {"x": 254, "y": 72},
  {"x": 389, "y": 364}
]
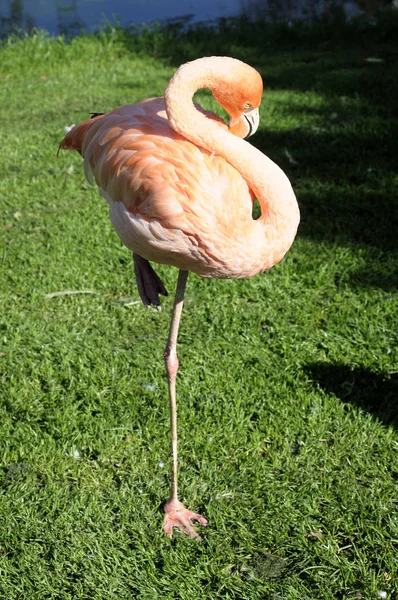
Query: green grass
[{"x": 288, "y": 383}]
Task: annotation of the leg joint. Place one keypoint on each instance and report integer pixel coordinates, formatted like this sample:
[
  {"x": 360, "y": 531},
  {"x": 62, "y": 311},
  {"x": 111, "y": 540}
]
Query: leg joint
[{"x": 171, "y": 361}]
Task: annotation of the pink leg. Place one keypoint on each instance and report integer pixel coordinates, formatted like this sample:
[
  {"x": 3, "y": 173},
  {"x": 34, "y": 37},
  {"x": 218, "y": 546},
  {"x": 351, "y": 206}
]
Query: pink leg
[{"x": 176, "y": 513}]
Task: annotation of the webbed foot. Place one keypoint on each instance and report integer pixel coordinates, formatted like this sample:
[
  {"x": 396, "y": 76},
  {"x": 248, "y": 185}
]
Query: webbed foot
[{"x": 179, "y": 516}]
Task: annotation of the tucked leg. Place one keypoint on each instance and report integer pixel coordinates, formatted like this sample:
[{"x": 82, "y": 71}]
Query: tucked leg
[
  {"x": 148, "y": 283},
  {"x": 176, "y": 513}
]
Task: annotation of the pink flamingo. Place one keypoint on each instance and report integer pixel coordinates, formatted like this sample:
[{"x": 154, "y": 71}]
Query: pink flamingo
[{"x": 180, "y": 184}]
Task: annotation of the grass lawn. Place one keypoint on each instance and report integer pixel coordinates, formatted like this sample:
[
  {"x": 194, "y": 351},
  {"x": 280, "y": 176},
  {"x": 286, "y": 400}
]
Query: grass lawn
[{"x": 287, "y": 390}]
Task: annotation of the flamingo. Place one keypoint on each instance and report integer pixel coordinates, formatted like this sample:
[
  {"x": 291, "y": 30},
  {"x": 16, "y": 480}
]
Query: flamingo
[{"x": 180, "y": 184}]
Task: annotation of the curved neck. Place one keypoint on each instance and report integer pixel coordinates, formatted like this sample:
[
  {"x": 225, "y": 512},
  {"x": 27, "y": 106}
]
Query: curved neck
[{"x": 279, "y": 209}]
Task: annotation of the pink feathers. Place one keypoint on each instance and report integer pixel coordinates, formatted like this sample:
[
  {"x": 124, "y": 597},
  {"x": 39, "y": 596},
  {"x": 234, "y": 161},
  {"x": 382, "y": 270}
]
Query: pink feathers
[{"x": 185, "y": 199}]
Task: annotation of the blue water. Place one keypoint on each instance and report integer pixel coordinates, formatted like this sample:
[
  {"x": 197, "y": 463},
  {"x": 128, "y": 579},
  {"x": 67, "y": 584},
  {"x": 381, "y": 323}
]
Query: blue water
[{"x": 70, "y": 16}]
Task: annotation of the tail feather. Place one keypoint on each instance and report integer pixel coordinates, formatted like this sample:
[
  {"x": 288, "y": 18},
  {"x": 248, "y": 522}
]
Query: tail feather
[{"x": 74, "y": 139}]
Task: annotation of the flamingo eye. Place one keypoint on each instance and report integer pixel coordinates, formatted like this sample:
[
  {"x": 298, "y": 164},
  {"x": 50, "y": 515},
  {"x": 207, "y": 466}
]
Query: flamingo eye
[{"x": 247, "y": 106}]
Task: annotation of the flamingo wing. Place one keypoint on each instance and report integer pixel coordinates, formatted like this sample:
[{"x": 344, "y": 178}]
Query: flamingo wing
[{"x": 170, "y": 200}]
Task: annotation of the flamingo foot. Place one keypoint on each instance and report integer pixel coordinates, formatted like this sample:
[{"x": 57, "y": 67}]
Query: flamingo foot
[
  {"x": 148, "y": 283},
  {"x": 179, "y": 516}
]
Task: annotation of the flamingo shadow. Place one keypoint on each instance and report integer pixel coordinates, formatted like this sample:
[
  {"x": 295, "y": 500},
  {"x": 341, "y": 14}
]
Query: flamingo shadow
[{"x": 376, "y": 393}]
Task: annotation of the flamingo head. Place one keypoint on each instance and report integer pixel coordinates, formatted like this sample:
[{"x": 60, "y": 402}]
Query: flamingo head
[{"x": 240, "y": 95}]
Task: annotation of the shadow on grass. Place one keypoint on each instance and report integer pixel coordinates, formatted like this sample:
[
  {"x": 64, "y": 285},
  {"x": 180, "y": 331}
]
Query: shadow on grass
[
  {"x": 376, "y": 393},
  {"x": 344, "y": 184},
  {"x": 344, "y": 174}
]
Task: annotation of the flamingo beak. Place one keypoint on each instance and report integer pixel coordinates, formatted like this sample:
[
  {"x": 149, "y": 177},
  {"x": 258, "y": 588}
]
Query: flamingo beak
[{"x": 253, "y": 119}]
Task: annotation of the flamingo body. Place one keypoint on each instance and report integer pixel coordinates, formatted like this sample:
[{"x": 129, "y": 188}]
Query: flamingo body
[{"x": 171, "y": 201}]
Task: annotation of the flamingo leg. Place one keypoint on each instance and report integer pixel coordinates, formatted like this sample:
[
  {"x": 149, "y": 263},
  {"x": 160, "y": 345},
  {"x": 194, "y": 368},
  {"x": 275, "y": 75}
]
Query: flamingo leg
[
  {"x": 176, "y": 513},
  {"x": 148, "y": 283}
]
